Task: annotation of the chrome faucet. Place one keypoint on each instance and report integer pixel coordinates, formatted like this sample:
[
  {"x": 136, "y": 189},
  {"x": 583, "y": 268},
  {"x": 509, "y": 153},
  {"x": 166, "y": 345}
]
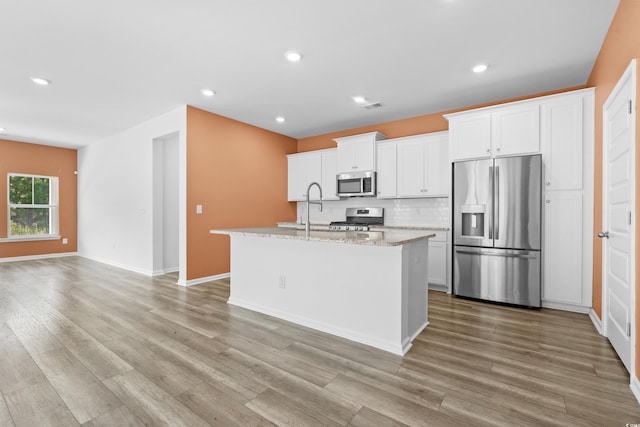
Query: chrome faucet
[{"x": 307, "y": 226}]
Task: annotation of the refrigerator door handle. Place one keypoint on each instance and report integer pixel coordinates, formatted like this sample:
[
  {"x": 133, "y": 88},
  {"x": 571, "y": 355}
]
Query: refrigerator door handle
[
  {"x": 496, "y": 203},
  {"x": 491, "y": 206},
  {"x": 487, "y": 253}
]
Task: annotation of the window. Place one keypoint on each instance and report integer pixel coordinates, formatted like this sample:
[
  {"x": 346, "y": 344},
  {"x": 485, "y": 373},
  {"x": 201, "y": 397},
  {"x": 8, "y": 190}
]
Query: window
[{"x": 33, "y": 205}]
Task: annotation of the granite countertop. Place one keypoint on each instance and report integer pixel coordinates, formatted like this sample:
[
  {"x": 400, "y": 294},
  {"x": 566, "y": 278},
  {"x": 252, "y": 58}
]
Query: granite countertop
[
  {"x": 375, "y": 238},
  {"x": 325, "y": 226}
]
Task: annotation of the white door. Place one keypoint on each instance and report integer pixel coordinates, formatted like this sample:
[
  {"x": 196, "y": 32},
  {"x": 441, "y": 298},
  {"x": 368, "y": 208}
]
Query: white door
[{"x": 618, "y": 186}]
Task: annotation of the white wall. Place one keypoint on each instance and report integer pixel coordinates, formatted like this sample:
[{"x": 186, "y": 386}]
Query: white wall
[{"x": 115, "y": 195}]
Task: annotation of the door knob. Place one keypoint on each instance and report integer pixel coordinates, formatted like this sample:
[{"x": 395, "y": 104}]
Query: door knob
[{"x": 605, "y": 234}]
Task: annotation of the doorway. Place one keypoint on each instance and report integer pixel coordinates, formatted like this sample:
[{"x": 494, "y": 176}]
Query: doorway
[
  {"x": 618, "y": 212},
  {"x": 166, "y": 230}
]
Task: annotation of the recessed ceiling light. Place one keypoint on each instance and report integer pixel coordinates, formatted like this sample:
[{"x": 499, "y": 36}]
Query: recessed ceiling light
[
  {"x": 480, "y": 68},
  {"x": 280, "y": 119},
  {"x": 359, "y": 99},
  {"x": 293, "y": 56},
  {"x": 2, "y": 129},
  {"x": 40, "y": 81},
  {"x": 207, "y": 92}
]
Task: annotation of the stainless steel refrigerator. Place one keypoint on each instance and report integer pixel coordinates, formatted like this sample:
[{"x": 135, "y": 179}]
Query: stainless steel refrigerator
[{"x": 497, "y": 210}]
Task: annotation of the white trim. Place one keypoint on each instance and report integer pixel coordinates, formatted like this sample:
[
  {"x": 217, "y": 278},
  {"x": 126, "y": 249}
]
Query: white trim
[
  {"x": 118, "y": 265},
  {"x": 201, "y": 280},
  {"x": 585, "y": 91},
  {"x": 30, "y": 238},
  {"x": 53, "y": 206},
  {"x": 36, "y": 257},
  {"x": 635, "y": 387},
  {"x": 566, "y": 307},
  {"x": 628, "y": 75},
  {"x": 596, "y": 321}
]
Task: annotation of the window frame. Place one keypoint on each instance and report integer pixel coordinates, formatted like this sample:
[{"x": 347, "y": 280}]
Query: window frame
[{"x": 53, "y": 207}]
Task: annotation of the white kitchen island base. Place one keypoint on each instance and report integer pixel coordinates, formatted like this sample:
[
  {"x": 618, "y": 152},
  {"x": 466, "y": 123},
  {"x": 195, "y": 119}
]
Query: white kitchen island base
[{"x": 369, "y": 293}]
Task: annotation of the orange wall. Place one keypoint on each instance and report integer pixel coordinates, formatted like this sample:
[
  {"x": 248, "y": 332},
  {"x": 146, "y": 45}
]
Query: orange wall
[
  {"x": 20, "y": 157},
  {"x": 238, "y": 173},
  {"x": 413, "y": 126},
  {"x": 621, "y": 45}
]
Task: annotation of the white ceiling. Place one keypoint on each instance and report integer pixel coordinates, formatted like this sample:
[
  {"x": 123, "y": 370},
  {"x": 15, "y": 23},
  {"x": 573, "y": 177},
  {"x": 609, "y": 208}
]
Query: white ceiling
[{"x": 117, "y": 63}]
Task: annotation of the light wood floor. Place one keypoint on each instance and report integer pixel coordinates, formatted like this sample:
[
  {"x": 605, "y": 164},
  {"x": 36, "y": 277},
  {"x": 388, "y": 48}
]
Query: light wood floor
[{"x": 84, "y": 343}]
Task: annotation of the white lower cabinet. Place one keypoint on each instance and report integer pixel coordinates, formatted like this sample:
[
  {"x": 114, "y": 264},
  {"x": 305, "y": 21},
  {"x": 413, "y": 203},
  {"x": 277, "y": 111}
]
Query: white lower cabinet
[
  {"x": 562, "y": 272},
  {"x": 438, "y": 261}
]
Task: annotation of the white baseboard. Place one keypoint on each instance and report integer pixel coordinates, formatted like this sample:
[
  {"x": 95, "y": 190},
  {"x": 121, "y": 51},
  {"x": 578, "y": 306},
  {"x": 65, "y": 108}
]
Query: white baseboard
[
  {"x": 118, "y": 265},
  {"x": 596, "y": 321},
  {"x": 165, "y": 271},
  {"x": 438, "y": 287},
  {"x": 36, "y": 257},
  {"x": 566, "y": 307},
  {"x": 635, "y": 387},
  {"x": 201, "y": 280}
]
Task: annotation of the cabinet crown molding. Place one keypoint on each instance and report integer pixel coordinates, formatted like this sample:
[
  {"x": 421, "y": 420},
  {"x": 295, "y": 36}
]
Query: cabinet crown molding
[
  {"x": 376, "y": 136},
  {"x": 539, "y": 99}
]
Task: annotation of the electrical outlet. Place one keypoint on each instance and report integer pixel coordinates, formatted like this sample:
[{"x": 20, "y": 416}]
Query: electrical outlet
[
  {"x": 199, "y": 209},
  {"x": 282, "y": 283},
  {"x": 65, "y": 241}
]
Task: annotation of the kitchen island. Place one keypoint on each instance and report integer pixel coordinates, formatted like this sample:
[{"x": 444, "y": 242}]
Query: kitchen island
[{"x": 369, "y": 287}]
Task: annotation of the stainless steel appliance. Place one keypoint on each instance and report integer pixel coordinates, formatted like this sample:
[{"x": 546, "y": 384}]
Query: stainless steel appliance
[
  {"x": 356, "y": 184},
  {"x": 359, "y": 219},
  {"x": 497, "y": 229}
]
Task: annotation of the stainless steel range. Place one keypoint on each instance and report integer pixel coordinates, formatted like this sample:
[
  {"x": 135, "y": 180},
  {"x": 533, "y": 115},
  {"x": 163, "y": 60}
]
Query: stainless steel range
[{"x": 359, "y": 219}]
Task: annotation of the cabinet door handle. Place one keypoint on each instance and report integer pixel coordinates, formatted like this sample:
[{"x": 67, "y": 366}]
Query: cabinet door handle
[
  {"x": 547, "y": 183},
  {"x": 488, "y": 150},
  {"x": 548, "y": 201},
  {"x": 498, "y": 149}
]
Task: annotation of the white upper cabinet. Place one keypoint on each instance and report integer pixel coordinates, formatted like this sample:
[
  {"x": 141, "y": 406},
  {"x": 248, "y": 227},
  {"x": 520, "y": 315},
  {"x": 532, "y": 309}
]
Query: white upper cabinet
[
  {"x": 329, "y": 172},
  {"x": 387, "y": 169},
  {"x": 470, "y": 136},
  {"x": 423, "y": 165},
  {"x": 494, "y": 132},
  {"x": 438, "y": 165},
  {"x": 303, "y": 169},
  {"x": 515, "y": 130},
  {"x": 562, "y": 142},
  {"x": 358, "y": 153},
  {"x": 411, "y": 167}
]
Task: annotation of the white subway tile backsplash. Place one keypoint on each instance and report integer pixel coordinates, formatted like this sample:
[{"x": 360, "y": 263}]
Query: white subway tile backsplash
[{"x": 426, "y": 211}]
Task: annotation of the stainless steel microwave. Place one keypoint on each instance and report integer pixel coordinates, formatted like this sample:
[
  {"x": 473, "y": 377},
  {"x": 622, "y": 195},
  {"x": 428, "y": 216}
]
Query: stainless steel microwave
[{"x": 356, "y": 184}]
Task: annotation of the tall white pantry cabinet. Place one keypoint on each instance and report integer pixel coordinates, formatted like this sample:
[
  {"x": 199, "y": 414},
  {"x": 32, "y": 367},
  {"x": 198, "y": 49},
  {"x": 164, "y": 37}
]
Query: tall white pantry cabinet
[{"x": 561, "y": 128}]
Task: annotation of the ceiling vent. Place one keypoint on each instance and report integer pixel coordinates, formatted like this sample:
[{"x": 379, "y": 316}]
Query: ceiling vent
[{"x": 373, "y": 105}]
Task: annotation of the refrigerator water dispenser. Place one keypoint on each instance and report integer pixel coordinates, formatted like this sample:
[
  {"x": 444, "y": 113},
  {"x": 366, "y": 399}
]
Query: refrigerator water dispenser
[{"x": 472, "y": 220}]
